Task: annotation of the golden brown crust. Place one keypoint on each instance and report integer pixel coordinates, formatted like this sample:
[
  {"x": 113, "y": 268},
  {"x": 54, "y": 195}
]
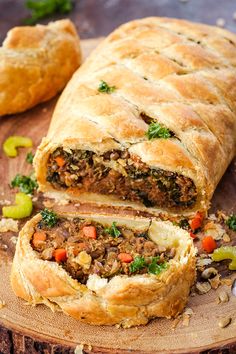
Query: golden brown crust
[
  {"x": 123, "y": 300},
  {"x": 179, "y": 73},
  {"x": 36, "y": 63}
]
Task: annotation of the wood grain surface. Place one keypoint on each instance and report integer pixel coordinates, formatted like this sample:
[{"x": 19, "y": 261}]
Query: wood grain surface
[{"x": 37, "y": 330}]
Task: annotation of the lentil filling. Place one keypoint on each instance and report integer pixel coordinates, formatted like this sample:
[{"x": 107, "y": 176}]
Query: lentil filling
[
  {"x": 84, "y": 247},
  {"x": 120, "y": 174}
]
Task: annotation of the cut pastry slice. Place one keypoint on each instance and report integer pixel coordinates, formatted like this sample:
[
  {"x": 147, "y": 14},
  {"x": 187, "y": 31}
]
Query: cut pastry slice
[
  {"x": 149, "y": 120},
  {"x": 36, "y": 63},
  {"x": 104, "y": 270}
]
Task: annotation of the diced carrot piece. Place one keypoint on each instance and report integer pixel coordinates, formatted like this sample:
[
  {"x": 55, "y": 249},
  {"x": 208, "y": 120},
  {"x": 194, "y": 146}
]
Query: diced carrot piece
[
  {"x": 39, "y": 237},
  {"x": 192, "y": 235},
  {"x": 196, "y": 222},
  {"x": 209, "y": 244},
  {"x": 60, "y": 161},
  {"x": 125, "y": 257},
  {"x": 90, "y": 232},
  {"x": 60, "y": 255}
]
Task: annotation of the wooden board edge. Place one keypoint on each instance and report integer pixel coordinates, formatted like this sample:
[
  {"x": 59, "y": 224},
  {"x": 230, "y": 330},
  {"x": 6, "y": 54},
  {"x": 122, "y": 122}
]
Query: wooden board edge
[{"x": 18, "y": 342}]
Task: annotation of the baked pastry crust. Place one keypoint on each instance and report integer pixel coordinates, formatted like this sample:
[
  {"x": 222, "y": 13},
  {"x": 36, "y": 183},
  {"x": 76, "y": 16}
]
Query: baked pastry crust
[
  {"x": 36, "y": 63},
  {"x": 123, "y": 300},
  {"x": 179, "y": 73}
]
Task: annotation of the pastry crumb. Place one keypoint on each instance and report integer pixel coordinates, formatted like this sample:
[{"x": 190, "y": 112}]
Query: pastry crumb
[
  {"x": 79, "y": 349},
  {"x": 13, "y": 239},
  {"x": 220, "y": 22},
  {"x": 5, "y": 202},
  {"x": 226, "y": 238},
  {"x": 227, "y": 281},
  {"x": 8, "y": 225},
  {"x": 48, "y": 203},
  {"x": 2, "y": 304}
]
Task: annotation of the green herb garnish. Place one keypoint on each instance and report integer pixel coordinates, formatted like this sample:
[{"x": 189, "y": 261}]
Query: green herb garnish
[
  {"x": 155, "y": 268},
  {"x": 49, "y": 217},
  {"x": 156, "y": 130},
  {"x": 104, "y": 87},
  {"x": 137, "y": 264},
  {"x": 26, "y": 184},
  {"x": 44, "y": 8},
  {"x": 113, "y": 231},
  {"x": 29, "y": 157},
  {"x": 231, "y": 222}
]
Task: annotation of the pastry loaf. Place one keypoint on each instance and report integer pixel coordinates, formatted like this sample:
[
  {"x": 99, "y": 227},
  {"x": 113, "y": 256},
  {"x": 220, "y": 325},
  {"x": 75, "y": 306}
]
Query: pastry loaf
[
  {"x": 92, "y": 282},
  {"x": 148, "y": 121},
  {"x": 36, "y": 63}
]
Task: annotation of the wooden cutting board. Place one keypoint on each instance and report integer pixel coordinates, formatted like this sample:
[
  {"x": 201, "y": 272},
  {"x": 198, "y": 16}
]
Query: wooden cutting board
[{"x": 25, "y": 329}]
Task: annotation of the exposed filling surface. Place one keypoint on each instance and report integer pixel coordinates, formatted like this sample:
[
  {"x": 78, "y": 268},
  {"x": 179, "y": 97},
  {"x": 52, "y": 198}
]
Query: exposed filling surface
[
  {"x": 85, "y": 247},
  {"x": 120, "y": 174}
]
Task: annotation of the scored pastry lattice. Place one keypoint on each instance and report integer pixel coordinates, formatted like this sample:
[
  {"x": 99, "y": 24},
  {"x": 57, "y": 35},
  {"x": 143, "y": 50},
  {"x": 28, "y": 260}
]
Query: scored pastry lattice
[{"x": 178, "y": 73}]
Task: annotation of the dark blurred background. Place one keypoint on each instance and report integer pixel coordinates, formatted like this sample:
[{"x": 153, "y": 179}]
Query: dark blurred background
[{"x": 95, "y": 18}]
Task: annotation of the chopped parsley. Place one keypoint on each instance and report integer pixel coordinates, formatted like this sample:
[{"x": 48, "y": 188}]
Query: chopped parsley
[
  {"x": 113, "y": 231},
  {"x": 104, "y": 87},
  {"x": 26, "y": 184},
  {"x": 156, "y": 130},
  {"x": 137, "y": 264},
  {"x": 231, "y": 222},
  {"x": 29, "y": 157},
  {"x": 49, "y": 217},
  {"x": 44, "y": 8},
  {"x": 155, "y": 268}
]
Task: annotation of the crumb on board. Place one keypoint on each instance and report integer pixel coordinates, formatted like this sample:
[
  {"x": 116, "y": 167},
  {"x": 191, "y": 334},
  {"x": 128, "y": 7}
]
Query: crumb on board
[
  {"x": 8, "y": 225},
  {"x": 2, "y": 304},
  {"x": 5, "y": 202},
  {"x": 13, "y": 239},
  {"x": 227, "y": 281},
  {"x": 49, "y": 203},
  {"x": 220, "y": 22},
  {"x": 79, "y": 349}
]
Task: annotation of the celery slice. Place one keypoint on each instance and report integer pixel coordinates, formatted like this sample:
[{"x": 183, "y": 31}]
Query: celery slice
[
  {"x": 225, "y": 252},
  {"x": 22, "y": 209},
  {"x": 12, "y": 142}
]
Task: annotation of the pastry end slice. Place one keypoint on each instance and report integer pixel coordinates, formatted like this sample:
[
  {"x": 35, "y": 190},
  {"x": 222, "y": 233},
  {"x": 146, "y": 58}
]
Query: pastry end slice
[
  {"x": 104, "y": 270},
  {"x": 36, "y": 63}
]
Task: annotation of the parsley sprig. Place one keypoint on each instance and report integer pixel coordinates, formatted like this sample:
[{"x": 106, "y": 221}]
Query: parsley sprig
[
  {"x": 29, "y": 157},
  {"x": 231, "y": 222},
  {"x": 156, "y": 130},
  {"x": 153, "y": 267},
  {"x": 26, "y": 184},
  {"x": 113, "y": 231},
  {"x": 137, "y": 264},
  {"x": 104, "y": 87},
  {"x": 49, "y": 217},
  {"x": 44, "y": 8}
]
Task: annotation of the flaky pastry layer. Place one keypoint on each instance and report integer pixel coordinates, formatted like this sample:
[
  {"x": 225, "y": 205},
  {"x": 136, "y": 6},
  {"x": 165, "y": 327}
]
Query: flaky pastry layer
[
  {"x": 122, "y": 300},
  {"x": 179, "y": 74},
  {"x": 36, "y": 63}
]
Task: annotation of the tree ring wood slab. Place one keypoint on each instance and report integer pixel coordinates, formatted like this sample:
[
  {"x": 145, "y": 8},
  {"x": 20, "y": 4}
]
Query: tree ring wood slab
[{"x": 25, "y": 329}]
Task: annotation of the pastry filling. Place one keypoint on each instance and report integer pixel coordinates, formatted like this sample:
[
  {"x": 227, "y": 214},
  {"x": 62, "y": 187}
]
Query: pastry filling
[
  {"x": 85, "y": 247},
  {"x": 120, "y": 174}
]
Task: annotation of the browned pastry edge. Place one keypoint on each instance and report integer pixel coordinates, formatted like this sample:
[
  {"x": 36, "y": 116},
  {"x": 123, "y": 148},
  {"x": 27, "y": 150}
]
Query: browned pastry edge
[{"x": 124, "y": 300}]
